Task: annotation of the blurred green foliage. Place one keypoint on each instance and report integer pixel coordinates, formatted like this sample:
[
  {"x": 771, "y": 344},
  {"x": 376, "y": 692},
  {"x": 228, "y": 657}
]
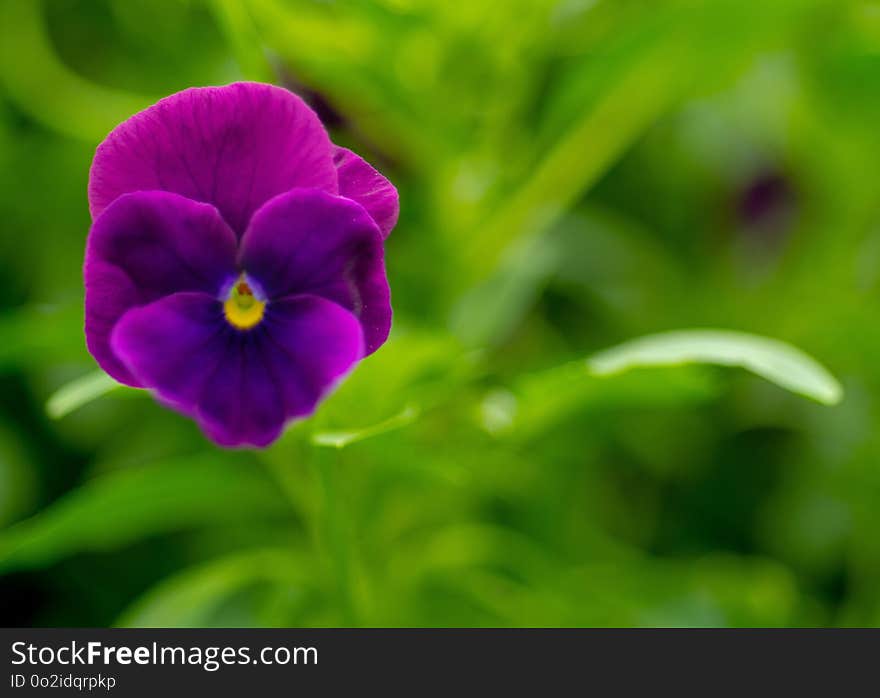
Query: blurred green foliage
[{"x": 573, "y": 174}]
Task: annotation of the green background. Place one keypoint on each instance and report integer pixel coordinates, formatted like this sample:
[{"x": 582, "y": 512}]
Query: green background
[{"x": 573, "y": 174}]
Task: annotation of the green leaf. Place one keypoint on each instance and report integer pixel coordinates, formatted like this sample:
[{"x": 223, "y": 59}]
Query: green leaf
[
  {"x": 193, "y": 597},
  {"x": 537, "y": 401},
  {"x": 647, "y": 88},
  {"x": 778, "y": 362},
  {"x": 343, "y": 438},
  {"x": 391, "y": 388},
  {"x": 79, "y": 392},
  {"x": 18, "y": 481},
  {"x": 37, "y": 334},
  {"x": 48, "y": 91},
  {"x": 491, "y": 310},
  {"x": 127, "y": 505}
]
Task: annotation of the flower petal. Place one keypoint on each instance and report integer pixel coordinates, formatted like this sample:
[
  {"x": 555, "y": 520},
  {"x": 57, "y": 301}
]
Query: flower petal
[
  {"x": 359, "y": 181},
  {"x": 173, "y": 345},
  {"x": 306, "y": 345},
  {"x": 143, "y": 247},
  {"x": 234, "y": 147},
  {"x": 308, "y": 241},
  {"x": 242, "y": 386},
  {"x": 312, "y": 344}
]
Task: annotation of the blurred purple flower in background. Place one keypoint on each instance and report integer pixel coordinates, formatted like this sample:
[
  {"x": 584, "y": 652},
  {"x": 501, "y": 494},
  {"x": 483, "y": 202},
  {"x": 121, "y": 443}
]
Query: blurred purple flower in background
[{"x": 235, "y": 265}]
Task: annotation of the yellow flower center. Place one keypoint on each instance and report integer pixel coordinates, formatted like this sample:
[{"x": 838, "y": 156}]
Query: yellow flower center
[{"x": 243, "y": 310}]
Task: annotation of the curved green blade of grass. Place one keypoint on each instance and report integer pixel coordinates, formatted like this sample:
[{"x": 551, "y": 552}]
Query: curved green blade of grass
[
  {"x": 125, "y": 506},
  {"x": 774, "y": 360},
  {"x": 188, "y": 598},
  {"x": 79, "y": 392},
  {"x": 343, "y": 438},
  {"x": 50, "y": 92}
]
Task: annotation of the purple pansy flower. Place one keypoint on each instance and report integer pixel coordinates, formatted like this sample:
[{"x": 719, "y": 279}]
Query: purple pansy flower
[{"x": 235, "y": 265}]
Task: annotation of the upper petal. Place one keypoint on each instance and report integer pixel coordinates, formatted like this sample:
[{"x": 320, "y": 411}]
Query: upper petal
[
  {"x": 145, "y": 246},
  {"x": 361, "y": 182},
  {"x": 242, "y": 387},
  {"x": 234, "y": 146},
  {"x": 308, "y": 241}
]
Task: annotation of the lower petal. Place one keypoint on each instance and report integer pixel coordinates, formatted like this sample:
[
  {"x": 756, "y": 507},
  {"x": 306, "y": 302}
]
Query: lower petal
[
  {"x": 173, "y": 345},
  {"x": 241, "y": 404},
  {"x": 302, "y": 349},
  {"x": 241, "y": 386},
  {"x": 312, "y": 343}
]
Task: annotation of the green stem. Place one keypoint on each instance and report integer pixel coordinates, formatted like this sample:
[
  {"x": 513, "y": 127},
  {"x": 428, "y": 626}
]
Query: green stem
[
  {"x": 335, "y": 532},
  {"x": 291, "y": 486},
  {"x": 317, "y": 500}
]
